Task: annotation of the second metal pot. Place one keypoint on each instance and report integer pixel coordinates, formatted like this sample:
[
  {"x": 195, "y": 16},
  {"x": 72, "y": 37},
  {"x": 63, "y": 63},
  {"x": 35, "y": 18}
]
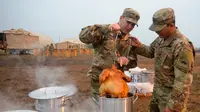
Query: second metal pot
[{"x": 116, "y": 104}]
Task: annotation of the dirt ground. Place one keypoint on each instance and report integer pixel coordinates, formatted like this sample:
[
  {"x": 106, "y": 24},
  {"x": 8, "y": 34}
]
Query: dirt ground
[{"x": 20, "y": 75}]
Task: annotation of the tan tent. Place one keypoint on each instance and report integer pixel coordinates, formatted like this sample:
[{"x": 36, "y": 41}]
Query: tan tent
[
  {"x": 76, "y": 42},
  {"x": 21, "y": 39},
  {"x": 65, "y": 45},
  {"x": 43, "y": 39}
]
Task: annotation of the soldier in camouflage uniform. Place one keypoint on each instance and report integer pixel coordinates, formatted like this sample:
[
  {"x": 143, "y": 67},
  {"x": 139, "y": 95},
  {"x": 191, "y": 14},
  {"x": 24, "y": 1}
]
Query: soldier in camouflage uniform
[
  {"x": 51, "y": 49},
  {"x": 174, "y": 59},
  {"x": 111, "y": 46}
]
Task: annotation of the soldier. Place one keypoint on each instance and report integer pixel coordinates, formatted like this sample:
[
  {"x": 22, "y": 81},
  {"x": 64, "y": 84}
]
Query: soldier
[
  {"x": 51, "y": 49},
  {"x": 46, "y": 50},
  {"x": 111, "y": 46},
  {"x": 174, "y": 60}
]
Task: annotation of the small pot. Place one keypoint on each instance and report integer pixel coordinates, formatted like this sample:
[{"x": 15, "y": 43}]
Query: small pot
[
  {"x": 147, "y": 76},
  {"x": 143, "y": 76}
]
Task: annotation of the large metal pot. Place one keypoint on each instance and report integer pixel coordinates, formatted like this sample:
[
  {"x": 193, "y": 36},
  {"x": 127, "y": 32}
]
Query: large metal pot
[
  {"x": 53, "y": 99},
  {"x": 20, "y": 111},
  {"x": 117, "y": 104},
  {"x": 61, "y": 104}
]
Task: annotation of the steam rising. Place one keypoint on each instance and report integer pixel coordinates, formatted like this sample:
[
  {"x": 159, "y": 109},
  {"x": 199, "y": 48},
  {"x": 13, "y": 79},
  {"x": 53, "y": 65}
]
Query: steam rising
[{"x": 46, "y": 76}]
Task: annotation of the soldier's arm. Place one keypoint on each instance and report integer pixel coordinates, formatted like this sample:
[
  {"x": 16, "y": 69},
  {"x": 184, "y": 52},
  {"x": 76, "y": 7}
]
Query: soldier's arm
[
  {"x": 147, "y": 51},
  {"x": 183, "y": 66},
  {"x": 93, "y": 34},
  {"x": 132, "y": 59}
]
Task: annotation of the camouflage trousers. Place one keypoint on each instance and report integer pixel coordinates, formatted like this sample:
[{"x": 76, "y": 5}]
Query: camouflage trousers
[
  {"x": 161, "y": 108},
  {"x": 95, "y": 90},
  {"x": 160, "y": 97}
]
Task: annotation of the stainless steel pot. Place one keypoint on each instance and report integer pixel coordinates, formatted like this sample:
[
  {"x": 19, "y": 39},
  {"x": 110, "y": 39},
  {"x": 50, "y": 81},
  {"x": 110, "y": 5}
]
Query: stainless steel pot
[
  {"x": 116, "y": 104},
  {"x": 20, "y": 111},
  {"x": 53, "y": 99},
  {"x": 143, "y": 76},
  {"x": 147, "y": 76},
  {"x": 61, "y": 104}
]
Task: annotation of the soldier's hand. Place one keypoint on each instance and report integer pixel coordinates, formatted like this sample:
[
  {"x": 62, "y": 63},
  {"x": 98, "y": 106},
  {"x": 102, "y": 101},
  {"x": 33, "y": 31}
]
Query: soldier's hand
[
  {"x": 123, "y": 61},
  {"x": 135, "y": 42}
]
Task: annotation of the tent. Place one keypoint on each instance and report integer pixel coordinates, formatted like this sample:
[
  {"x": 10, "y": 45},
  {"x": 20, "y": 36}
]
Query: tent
[
  {"x": 65, "y": 45},
  {"x": 21, "y": 39},
  {"x": 75, "y": 42},
  {"x": 44, "y": 40}
]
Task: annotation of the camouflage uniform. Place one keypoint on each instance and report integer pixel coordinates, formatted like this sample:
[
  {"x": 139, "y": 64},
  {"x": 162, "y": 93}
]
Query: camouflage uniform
[
  {"x": 107, "y": 45},
  {"x": 51, "y": 49},
  {"x": 174, "y": 61}
]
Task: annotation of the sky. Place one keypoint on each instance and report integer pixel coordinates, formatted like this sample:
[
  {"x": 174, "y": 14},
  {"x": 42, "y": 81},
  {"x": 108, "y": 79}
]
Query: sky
[{"x": 61, "y": 19}]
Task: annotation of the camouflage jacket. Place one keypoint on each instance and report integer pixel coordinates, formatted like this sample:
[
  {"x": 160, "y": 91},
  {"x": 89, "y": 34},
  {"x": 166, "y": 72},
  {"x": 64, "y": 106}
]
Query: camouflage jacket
[
  {"x": 174, "y": 61},
  {"x": 107, "y": 45},
  {"x": 51, "y": 48}
]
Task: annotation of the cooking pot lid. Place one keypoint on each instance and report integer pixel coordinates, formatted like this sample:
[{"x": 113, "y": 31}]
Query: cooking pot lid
[
  {"x": 20, "y": 111},
  {"x": 53, "y": 92}
]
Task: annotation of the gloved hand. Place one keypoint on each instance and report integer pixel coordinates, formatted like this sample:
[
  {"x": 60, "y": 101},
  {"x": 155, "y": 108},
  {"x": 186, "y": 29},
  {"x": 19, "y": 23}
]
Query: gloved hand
[
  {"x": 135, "y": 42},
  {"x": 123, "y": 61}
]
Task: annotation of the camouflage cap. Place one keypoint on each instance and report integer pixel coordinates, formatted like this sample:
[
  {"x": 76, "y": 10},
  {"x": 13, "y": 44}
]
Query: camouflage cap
[
  {"x": 161, "y": 18},
  {"x": 131, "y": 15}
]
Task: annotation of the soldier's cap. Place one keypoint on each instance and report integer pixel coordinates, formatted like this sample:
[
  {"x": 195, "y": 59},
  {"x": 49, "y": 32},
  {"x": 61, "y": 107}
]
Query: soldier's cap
[
  {"x": 131, "y": 15},
  {"x": 161, "y": 18}
]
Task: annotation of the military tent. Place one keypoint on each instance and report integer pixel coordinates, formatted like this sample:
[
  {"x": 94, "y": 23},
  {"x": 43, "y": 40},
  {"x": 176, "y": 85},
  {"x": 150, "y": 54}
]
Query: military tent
[
  {"x": 74, "y": 42},
  {"x": 65, "y": 45},
  {"x": 44, "y": 40},
  {"x": 21, "y": 39}
]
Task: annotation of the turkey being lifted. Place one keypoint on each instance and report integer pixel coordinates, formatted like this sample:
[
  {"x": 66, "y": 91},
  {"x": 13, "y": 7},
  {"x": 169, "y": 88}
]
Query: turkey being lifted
[{"x": 113, "y": 83}]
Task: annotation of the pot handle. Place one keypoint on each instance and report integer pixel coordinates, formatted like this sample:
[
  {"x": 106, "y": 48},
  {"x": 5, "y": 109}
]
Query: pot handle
[
  {"x": 135, "y": 91},
  {"x": 135, "y": 99},
  {"x": 38, "y": 106},
  {"x": 64, "y": 102}
]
